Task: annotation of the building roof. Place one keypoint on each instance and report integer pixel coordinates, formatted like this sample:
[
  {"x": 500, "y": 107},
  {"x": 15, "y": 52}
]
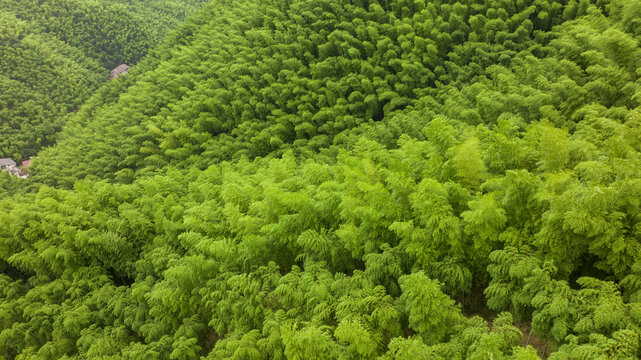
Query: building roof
[
  {"x": 7, "y": 161},
  {"x": 120, "y": 69},
  {"x": 26, "y": 163}
]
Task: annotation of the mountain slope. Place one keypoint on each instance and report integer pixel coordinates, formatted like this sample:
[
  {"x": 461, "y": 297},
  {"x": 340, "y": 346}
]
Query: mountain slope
[{"x": 263, "y": 78}]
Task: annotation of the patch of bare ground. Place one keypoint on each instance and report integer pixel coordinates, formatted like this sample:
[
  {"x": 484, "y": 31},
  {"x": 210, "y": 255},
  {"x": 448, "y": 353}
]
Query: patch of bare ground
[
  {"x": 541, "y": 345},
  {"x": 474, "y": 303},
  {"x": 210, "y": 340}
]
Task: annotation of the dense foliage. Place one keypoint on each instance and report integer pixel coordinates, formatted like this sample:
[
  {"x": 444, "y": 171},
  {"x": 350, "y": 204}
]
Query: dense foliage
[
  {"x": 55, "y": 54},
  {"x": 344, "y": 180}
]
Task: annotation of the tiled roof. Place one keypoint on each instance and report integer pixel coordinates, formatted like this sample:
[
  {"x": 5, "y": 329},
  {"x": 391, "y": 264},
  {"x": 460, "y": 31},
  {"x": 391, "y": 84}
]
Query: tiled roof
[
  {"x": 7, "y": 161},
  {"x": 120, "y": 69}
]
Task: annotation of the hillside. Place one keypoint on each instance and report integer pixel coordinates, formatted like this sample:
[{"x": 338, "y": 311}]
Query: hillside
[
  {"x": 344, "y": 180},
  {"x": 57, "y": 53}
]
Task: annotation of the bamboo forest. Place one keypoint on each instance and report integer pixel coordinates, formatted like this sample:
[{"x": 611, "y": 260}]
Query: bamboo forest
[{"x": 320, "y": 179}]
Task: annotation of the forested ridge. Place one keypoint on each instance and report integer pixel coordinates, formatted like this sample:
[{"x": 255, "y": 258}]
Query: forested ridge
[
  {"x": 325, "y": 179},
  {"x": 56, "y": 53}
]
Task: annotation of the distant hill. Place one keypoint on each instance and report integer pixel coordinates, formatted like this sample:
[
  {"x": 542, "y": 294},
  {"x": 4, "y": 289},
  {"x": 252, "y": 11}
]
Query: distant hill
[{"x": 55, "y": 54}]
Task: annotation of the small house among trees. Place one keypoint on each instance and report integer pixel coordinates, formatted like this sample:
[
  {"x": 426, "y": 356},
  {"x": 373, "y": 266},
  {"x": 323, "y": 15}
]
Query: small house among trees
[
  {"x": 122, "y": 69},
  {"x": 9, "y": 165}
]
